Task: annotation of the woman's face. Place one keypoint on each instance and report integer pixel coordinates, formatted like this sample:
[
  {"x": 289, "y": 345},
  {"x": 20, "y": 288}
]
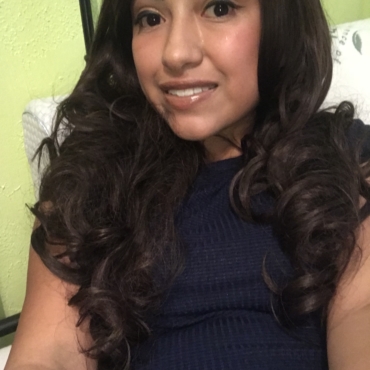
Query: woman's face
[{"x": 197, "y": 64}]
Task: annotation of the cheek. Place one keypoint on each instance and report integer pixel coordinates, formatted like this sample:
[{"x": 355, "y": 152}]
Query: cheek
[
  {"x": 144, "y": 60},
  {"x": 240, "y": 66},
  {"x": 244, "y": 48}
]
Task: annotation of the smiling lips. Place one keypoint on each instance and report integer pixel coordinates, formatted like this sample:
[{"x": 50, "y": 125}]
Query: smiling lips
[
  {"x": 186, "y": 88},
  {"x": 183, "y": 95},
  {"x": 190, "y": 91}
]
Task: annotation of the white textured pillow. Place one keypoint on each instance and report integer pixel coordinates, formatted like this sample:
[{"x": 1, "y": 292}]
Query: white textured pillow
[
  {"x": 37, "y": 120},
  {"x": 351, "y": 74},
  {"x": 4, "y": 354}
]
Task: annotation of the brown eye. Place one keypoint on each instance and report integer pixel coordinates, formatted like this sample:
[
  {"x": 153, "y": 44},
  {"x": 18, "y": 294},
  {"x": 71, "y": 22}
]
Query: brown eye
[
  {"x": 219, "y": 9},
  {"x": 153, "y": 19},
  {"x": 147, "y": 19}
]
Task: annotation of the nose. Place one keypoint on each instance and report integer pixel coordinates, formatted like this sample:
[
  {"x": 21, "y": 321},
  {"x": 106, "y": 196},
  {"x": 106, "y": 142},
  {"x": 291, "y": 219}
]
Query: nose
[{"x": 184, "y": 46}]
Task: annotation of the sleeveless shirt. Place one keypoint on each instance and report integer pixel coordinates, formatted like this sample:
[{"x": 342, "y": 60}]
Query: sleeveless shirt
[{"x": 217, "y": 315}]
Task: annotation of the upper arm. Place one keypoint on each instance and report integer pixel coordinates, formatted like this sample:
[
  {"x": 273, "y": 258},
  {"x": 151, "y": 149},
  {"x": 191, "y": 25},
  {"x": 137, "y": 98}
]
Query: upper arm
[
  {"x": 348, "y": 326},
  {"x": 47, "y": 334}
]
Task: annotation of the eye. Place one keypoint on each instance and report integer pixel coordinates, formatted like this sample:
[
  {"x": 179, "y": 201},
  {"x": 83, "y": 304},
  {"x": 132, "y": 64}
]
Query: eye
[
  {"x": 218, "y": 9},
  {"x": 148, "y": 19}
]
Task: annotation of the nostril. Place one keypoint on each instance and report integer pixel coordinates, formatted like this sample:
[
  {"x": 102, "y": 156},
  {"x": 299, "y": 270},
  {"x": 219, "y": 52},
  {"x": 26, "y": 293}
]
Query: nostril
[{"x": 180, "y": 58}]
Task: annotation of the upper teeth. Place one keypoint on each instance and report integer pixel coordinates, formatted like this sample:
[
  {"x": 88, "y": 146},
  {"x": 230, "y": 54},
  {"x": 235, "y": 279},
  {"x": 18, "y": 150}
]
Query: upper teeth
[{"x": 189, "y": 92}]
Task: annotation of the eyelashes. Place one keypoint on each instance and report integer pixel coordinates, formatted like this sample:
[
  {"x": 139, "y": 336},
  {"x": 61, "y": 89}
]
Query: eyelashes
[
  {"x": 214, "y": 9},
  {"x": 218, "y": 9},
  {"x": 148, "y": 18}
]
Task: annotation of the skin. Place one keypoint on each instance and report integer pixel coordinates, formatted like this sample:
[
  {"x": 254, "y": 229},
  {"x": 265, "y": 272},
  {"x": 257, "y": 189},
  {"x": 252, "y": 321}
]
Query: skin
[
  {"x": 179, "y": 44},
  {"x": 190, "y": 46},
  {"x": 348, "y": 326},
  {"x": 47, "y": 338}
]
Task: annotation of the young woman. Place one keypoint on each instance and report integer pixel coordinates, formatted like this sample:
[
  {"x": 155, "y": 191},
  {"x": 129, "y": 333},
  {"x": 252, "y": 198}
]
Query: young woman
[{"x": 202, "y": 212}]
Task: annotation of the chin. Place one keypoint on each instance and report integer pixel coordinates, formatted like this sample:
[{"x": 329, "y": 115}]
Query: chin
[
  {"x": 187, "y": 132},
  {"x": 190, "y": 136}
]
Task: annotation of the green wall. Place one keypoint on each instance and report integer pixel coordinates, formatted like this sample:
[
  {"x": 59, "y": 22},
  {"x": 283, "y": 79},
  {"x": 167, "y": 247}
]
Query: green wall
[
  {"x": 341, "y": 11},
  {"x": 41, "y": 54}
]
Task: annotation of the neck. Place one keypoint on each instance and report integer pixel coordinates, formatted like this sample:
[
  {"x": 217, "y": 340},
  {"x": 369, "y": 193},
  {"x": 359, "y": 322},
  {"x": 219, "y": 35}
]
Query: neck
[{"x": 219, "y": 148}]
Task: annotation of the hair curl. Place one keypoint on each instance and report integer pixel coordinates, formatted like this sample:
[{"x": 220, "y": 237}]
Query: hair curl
[{"x": 110, "y": 194}]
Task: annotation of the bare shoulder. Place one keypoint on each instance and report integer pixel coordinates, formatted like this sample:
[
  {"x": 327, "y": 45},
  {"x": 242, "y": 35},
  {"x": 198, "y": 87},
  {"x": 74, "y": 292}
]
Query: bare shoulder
[
  {"x": 47, "y": 336},
  {"x": 354, "y": 289},
  {"x": 348, "y": 326}
]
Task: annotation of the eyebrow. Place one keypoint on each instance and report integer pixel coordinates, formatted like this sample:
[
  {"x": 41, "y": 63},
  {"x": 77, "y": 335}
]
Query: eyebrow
[{"x": 134, "y": 1}]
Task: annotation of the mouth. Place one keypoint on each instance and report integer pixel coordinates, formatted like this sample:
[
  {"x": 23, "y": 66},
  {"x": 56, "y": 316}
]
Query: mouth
[
  {"x": 191, "y": 91},
  {"x": 186, "y": 95}
]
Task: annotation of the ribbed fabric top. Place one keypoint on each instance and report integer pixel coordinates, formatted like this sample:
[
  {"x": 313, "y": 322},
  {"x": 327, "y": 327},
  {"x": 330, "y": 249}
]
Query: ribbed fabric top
[{"x": 217, "y": 315}]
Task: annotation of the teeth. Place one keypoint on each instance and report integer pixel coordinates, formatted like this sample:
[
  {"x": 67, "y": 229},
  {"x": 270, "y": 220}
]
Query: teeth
[{"x": 189, "y": 92}]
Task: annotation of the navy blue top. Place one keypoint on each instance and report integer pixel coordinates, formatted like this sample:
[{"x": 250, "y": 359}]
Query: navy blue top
[{"x": 217, "y": 315}]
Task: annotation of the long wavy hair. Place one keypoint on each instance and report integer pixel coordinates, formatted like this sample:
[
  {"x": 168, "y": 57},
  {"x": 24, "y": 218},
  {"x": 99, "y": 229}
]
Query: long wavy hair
[{"x": 118, "y": 174}]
